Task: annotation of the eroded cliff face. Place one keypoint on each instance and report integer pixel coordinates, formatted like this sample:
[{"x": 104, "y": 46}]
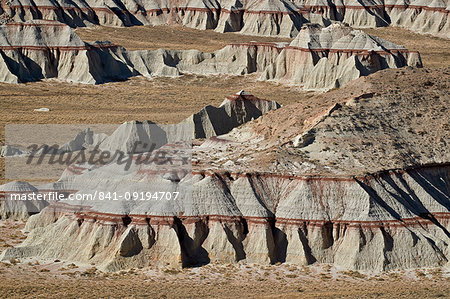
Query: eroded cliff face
[
  {"x": 392, "y": 220},
  {"x": 47, "y": 49},
  {"x": 38, "y": 50},
  {"x": 354, "y": 182},
  {"x": 281, "y": 17},
  {"x": 325, "y": 58},
  {"x": 317, "y": 59}
]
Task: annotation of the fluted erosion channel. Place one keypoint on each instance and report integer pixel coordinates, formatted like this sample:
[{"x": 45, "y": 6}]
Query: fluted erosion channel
[{"x": 390, "y": 220}]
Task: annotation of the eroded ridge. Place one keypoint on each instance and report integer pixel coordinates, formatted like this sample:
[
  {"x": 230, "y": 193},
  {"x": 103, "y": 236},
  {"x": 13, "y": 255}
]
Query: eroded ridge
[
  {"x": 318, "y": 58},
  {"x": 376, "y": 222},
  {"x": 270, "y": 191},
  {"x": 280, "y": 17}
]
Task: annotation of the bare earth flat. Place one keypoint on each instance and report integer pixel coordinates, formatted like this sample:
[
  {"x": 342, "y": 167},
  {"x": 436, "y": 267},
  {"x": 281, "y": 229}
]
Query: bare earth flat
[
  {"x": 57, "y": 279},
  {"x": 169, "y": 100},
  {"x": 164, "y": 100},
  {"x": 168, "y": 37}
]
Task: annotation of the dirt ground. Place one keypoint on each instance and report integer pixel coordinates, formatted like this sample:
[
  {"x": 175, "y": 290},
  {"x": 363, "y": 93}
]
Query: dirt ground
[
  {"x": 59, "y": 279},
  {"x": 170, "y": 100},
  {"x": 168, "y": 37}
]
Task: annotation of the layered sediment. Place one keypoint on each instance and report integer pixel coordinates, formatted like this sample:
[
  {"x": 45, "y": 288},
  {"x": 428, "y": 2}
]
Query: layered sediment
[
  {"x": 318, "y": 58},
  {"x": 289, "y": 187},
  {"x": 325, "y": 58},
  {"x": 280, "y": 17},
  {"x": 354, "y": 223},
  {"x": 39, "y": 49},
  {"x": 130, "y": 138}
]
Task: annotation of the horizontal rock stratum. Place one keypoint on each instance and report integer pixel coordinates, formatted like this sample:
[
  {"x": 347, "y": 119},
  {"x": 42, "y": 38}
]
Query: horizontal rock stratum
[
  {"x": 210, "y": 121},
  {"x": 357, "y": 177},
  {"x": 317, "y": 59},
  {"x": 278, "y": 17}
]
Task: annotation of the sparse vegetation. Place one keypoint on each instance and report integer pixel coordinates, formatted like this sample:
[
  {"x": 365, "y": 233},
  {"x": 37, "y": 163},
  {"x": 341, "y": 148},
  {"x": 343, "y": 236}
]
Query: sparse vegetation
[
  {"x": 170, "y": 100},
  {"x": 354, "y": 274},
  {"x": 168, "y": 37}
]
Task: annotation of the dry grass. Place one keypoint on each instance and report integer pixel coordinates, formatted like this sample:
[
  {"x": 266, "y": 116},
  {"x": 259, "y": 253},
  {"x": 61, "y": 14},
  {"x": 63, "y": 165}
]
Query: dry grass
[
  {"x": 59, "y": 279},
  {"x": 168, "y": 37},
  {"x": 167, "y": 100},
  {"x": 433, "y": 50},
  {"x": 164, "y": 100}
]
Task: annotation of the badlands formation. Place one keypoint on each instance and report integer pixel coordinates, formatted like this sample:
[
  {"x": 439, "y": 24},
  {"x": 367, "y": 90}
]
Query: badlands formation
[
  {"x": 361, "y": 181},
  {"x": 318, "y": 58},
  {"x": 255, "y": 17},
  {"x": 210, "y": 121},
  {"x": 16, "y": 209}
]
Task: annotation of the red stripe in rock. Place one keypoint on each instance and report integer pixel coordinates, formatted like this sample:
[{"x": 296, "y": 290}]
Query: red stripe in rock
[
  {"x": 60, "y": 48},
  {"x": 353, "y": 51},
  {"x": 305, "y": 9}
]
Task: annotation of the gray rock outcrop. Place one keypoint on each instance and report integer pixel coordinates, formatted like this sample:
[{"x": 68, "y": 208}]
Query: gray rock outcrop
[
  {"x": 10, "y": 208},
  {"x": 366, "y": 193},
  {"x": 234, "y": 111},
  {"x": 279, "y": 17},
  {"x": 325, "y": 58},
  {"x": 318, "y": 58}
]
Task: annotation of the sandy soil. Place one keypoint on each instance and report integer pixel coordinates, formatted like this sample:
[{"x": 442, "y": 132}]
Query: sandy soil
[
  {"x": 168, "y": 37},
  {"x": 170, "y": 100},
  {"x": 57, "y": 279},
  {"x": 10, "y": 233}
]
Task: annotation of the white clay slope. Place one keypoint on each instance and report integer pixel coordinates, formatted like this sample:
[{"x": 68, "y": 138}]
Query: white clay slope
[
  {"x": 15, "y": 209},
  {"x": 133, "y": 137},
  {"x": 311, "y": 210},
  {"x": 268, "y": 17},
  {"x": 325, "y": 58},
  {"x": 318, "y": 58}
]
